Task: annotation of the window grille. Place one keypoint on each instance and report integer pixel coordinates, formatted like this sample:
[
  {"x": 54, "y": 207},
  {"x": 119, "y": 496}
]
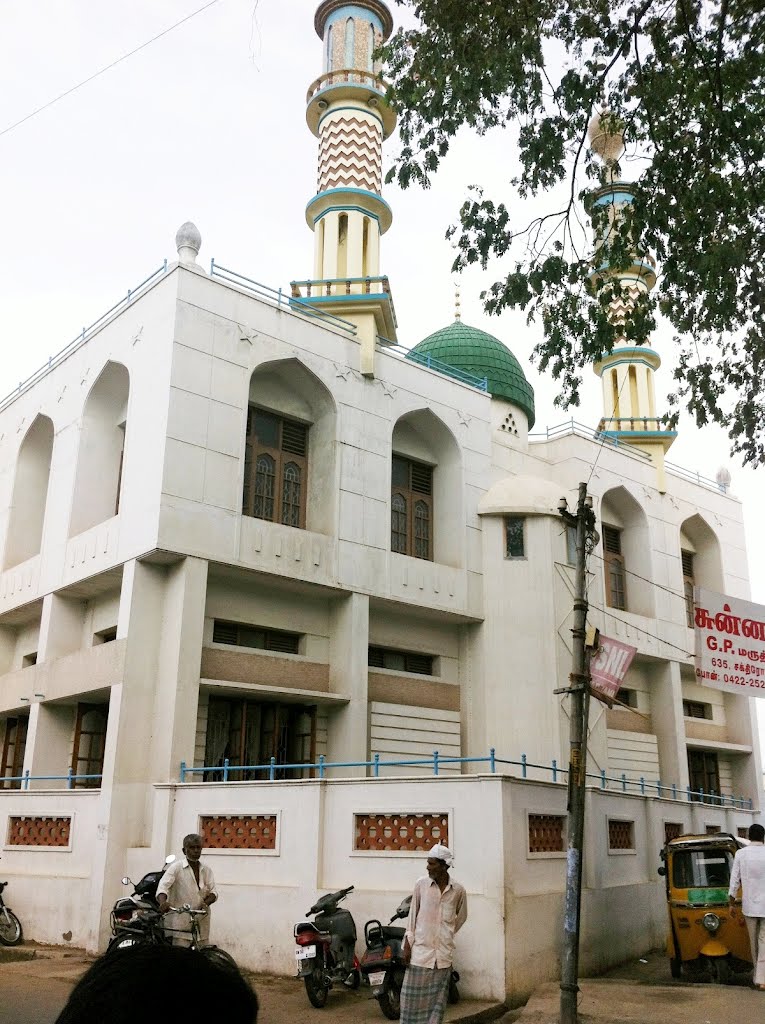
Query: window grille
[
  {"x": 673, "y": 829},
  {"x": 620, "y": 835},
  {"x": 26, "y": 831},
  {"x": 514, "y": 537},
  {"x": 704, "y": 772},
  {"x": 546, "y": 833},
  {"x": 240, "y": 832},
  {"x": 400, "y": 832},
  {"x": 14, "y": 745},
  {"x": 89, "y": 744},
  {"x": 697, "y": 709}
]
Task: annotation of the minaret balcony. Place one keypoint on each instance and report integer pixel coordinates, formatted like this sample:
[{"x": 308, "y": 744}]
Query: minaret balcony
[
  {"x": 348, "y": 295},
  {"x": 632, "y": 428},
  {"x": 363, "y": 87}
]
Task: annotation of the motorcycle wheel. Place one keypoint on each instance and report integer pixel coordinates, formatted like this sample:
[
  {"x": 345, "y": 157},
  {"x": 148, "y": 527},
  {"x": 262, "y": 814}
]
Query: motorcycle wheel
[
  {"x": 356, "y": 980},
  {"x": 10, "y": 928},
  {"x": 390, "y": 998},
  {"x": 219, "y": 957},
  {"x": 315, "y": 988}
]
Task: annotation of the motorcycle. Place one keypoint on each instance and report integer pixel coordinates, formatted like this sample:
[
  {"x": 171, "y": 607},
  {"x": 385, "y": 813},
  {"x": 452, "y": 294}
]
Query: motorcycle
[
  {"x": 10, "y": 926},
  {"x": 135, "y": 920},
  {"x": 383, "y": 964},
  {"x": 326, "y": 948}
]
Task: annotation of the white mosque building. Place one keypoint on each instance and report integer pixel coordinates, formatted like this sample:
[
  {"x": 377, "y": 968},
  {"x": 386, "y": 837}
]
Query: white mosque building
[{"x": 246, "y": 538}]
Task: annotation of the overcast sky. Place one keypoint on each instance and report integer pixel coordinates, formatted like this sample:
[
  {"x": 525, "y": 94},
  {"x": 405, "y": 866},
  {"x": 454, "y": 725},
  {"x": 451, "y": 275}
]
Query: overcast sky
[{"x": 208, "y": 124}]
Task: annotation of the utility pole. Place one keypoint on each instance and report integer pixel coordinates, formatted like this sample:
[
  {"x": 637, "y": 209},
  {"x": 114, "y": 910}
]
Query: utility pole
[{"x": 579, "y": 690}]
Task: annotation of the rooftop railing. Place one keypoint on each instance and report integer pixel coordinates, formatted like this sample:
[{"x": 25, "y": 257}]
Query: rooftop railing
[
  {"x": 652, "y": 423},
  {"x": 332, "y": 286},
  {"x": 482, "y": 383},
  {"x": 582, "y": 430},
  {"x": 274, "y": 771},
  {"x": 82, "y": 337}
]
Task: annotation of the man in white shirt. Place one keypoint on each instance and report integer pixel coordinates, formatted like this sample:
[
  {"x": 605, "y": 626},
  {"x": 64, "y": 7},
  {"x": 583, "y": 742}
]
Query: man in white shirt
[
  {"x": 438, "y": 911},
  {"x": 187, "y": 881},
  {"x": 749, "y": 873}
]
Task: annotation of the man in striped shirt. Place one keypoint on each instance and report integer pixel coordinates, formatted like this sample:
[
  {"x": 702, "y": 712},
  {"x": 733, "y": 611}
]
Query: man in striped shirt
[{"x": 438, "y": 911}]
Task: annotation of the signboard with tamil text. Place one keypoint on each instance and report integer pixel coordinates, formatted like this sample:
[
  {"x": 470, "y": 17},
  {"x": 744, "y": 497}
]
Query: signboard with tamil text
[
  {"x": 608, "y": 667},
  {"x": 730, "y": 643}
]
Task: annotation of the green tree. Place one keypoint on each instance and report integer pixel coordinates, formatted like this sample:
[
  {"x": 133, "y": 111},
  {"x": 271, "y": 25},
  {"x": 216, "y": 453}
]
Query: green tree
[{"x": 685, "y": 82}]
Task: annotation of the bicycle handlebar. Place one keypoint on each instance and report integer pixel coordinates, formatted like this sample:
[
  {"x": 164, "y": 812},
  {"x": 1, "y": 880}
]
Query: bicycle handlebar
[{"x": 186, "y": 909}]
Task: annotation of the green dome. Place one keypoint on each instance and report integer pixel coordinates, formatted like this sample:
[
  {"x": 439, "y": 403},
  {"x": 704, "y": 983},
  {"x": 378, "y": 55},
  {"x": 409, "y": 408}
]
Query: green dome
[{"x": 481, "y": 354}]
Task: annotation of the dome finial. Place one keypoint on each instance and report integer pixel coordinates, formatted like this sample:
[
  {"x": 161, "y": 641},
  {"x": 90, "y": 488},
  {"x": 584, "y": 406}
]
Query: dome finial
[
  {"x": 188, "y": 242},
  {"x": 606, "y": 135},
  {"x": 457, "y": 304}
]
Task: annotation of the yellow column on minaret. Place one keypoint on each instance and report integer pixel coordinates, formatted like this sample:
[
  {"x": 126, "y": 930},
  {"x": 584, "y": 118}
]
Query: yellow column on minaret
[
  {"x": 348, "y": 114},
  {"x": 627, "y": 372}
]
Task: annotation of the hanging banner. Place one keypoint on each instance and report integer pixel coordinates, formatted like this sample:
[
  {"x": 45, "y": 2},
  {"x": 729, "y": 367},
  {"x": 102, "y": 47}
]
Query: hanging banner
[
  {"x": 608, "y": 667},
  {"x": 730, "y": 643}
]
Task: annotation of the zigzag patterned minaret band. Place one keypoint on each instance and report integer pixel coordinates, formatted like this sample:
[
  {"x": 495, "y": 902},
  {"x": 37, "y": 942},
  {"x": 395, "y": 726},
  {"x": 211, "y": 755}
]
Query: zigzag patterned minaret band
[{"x": 348, "y": 113}]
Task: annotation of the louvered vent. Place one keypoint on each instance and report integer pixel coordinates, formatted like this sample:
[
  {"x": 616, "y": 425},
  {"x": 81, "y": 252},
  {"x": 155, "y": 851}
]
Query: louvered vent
[
  {"x": 422, "y": 478},
  {"x": 294, "y": 437},
  {"x": 687, "y": 557},
  {"x": 612, "y": 540},
  {"x": 285, "y": 643},
  {"x": 225, "y": 633},
  {"x": 376, "y": 657}
]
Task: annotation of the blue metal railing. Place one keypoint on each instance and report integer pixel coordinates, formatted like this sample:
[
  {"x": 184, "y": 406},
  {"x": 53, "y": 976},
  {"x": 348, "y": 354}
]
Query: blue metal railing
[
  {"x": 582, "y": 430},
  {"x": 132, "y": 295},
  {"x": 274, "y": 770},
  {"x": 26, "y": 778},
  {"x": 428, "y": 361},
  {"x": 281, "y": 299}
]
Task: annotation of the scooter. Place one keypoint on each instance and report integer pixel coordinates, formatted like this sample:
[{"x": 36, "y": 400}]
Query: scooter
[
  {"x": 383, "y": 965},
  {"x": 135, "y": 919},
  {"x": 326, "y": 948}
]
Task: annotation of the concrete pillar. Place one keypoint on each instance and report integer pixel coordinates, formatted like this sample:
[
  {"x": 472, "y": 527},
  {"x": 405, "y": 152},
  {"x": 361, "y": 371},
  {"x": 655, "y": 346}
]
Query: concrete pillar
[
  {"x": 373, "y": 248},
  {"x": 331, "y": 223},
  {"x": 642, "y": 374},
  {"x": 746, "y": 770},
  {"x": 348, "y": 738},
  {"x": 623, "y": 391},
  {"x": 61, "y": 626},
  {"x": 7, "y": 648},
  {"x": 355, "y": 245},
  {"x": 50, "y": 738},
  {"x": 668, "y": 724}
]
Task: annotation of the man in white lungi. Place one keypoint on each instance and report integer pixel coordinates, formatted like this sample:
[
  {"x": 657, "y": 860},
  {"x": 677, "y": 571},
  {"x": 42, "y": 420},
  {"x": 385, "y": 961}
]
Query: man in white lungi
[{"x": 187, "y": 881}]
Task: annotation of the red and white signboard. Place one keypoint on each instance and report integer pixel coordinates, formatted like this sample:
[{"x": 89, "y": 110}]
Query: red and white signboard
[
  {"x": 608, "y": 667},
  {"x": 730, "y": 643}
]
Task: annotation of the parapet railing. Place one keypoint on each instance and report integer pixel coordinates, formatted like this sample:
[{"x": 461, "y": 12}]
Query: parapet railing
[
  {"x": 352, "y": 76},
  {"x": 582, "y": 430},
  {"x": 482, "y": 383},
  {"x": 285, "y": 301},
  {"x": 274, "y": 771},
  {"x": 85, "y": 333},
  {"x": 26, "y": 778},
  {"x": 321, "y": 287}
]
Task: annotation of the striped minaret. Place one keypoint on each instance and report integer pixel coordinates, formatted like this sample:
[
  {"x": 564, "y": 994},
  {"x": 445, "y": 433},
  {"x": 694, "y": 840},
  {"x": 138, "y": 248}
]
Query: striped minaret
[
  {"x": 627, "y": 371},
  {"x": 348, "y": 114}
]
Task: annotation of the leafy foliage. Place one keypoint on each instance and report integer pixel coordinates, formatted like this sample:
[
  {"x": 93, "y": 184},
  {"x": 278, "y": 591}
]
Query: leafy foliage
[{"x": 684, "y": 81}]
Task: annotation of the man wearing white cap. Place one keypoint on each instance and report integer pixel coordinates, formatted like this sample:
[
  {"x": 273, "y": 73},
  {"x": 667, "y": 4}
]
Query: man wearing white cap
[{"x": 438, "y": 911}]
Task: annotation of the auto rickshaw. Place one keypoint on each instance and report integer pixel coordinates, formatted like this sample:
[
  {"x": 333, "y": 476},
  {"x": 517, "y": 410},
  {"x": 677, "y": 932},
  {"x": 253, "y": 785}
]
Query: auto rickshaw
[{"x": 707, "y": 933}]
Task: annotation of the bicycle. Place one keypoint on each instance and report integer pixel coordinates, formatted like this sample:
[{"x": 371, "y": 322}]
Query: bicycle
[
  {"x": 212, "y": 953},
  {"x": 10, "y": 927}
]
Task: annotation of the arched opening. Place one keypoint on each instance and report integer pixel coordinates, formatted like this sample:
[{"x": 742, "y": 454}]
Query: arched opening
[
  {"x": 342, "y": 245},
  {"x": 426, "y": 483},
  {"x": 289, "y": 460},
  {"x": 634, "y": 400},
  {"x": 626, "y": 554},
  {"x": 365, "y": 248},
  {"x": 701, "y": 560},
  {"x": 30, "y": 493},
  {"x": 98, "y": 482},
  {"x": 328, "y": 54},
  {"x": 370, "y": 46},
  {"x": 350, "y": 43},
  {"x": 615, "y": 394}
]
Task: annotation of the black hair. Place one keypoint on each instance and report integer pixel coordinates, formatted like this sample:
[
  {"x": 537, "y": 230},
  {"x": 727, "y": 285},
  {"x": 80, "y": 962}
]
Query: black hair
[
  {"x": 756, "y": 833},
  {"x": 159, "y": 985}
]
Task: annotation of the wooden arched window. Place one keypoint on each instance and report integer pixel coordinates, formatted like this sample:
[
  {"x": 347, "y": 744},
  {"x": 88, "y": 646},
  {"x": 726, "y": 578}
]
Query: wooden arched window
[
  {"x": 275, "y": 469},
  {"x": 412, "y": 488}
]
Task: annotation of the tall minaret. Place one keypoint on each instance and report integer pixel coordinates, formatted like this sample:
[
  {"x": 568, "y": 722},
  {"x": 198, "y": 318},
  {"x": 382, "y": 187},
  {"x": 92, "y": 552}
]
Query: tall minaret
[
  {"x": 627, "y": 372},
  {"x": 348, "y": 113}
]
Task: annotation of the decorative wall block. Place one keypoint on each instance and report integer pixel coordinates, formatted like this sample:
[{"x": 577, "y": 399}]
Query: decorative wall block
[
  {"x": 546, "y": 833},
  {"x": 621, "y": 835},
  {"x": 24, "y": 831},
  {"x": 400, "y": 833},
  {"x": 239, "y": 832}
]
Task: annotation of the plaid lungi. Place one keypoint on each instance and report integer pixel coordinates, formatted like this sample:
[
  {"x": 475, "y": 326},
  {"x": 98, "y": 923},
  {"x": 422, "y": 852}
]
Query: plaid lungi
[{"x": 423, "y": 995}]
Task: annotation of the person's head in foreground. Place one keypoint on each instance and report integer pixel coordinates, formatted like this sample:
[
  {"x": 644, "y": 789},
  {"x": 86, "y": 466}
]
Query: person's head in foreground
[
  {"x": 440, "y": 859},
  {"x": 756, "y": 833},
  {"x": 159, "y": 985}
]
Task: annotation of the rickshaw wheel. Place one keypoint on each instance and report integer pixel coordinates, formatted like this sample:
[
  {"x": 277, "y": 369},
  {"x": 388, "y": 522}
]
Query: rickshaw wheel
[{"x": 675, "y": 966}]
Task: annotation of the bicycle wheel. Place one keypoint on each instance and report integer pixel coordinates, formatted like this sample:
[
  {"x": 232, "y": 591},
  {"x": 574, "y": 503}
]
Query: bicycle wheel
[
  {"x": 219, "y": 957},
  {"x": 10, "y": 928}
]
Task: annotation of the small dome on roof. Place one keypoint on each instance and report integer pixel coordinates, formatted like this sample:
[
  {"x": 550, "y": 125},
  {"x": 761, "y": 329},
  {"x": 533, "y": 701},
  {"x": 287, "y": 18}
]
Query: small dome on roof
[
  {"x": 481, "y": 354},
  {"x": 522, "y": 495}
]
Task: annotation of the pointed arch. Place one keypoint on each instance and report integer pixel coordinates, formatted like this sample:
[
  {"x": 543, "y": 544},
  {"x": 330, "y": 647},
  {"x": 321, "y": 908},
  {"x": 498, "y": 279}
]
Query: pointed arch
[
  {"x": 426, "y": 473},
  {"x": 626, "y": 553},
  {"x": 700, "y": 559},
  {"x": 350, "y": 43},
  {"x": 98, "y": 482},
  {"x": 30, "y": 493},
  {"x": 292, "y": 420}
]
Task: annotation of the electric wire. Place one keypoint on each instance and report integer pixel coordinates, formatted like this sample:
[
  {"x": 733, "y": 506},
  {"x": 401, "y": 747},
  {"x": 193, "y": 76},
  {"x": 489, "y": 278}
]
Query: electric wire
[
  {"x": 653, "y": 583},
  {"x": 108, "y": 67},
  {"x": 645, "y": 632}
]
